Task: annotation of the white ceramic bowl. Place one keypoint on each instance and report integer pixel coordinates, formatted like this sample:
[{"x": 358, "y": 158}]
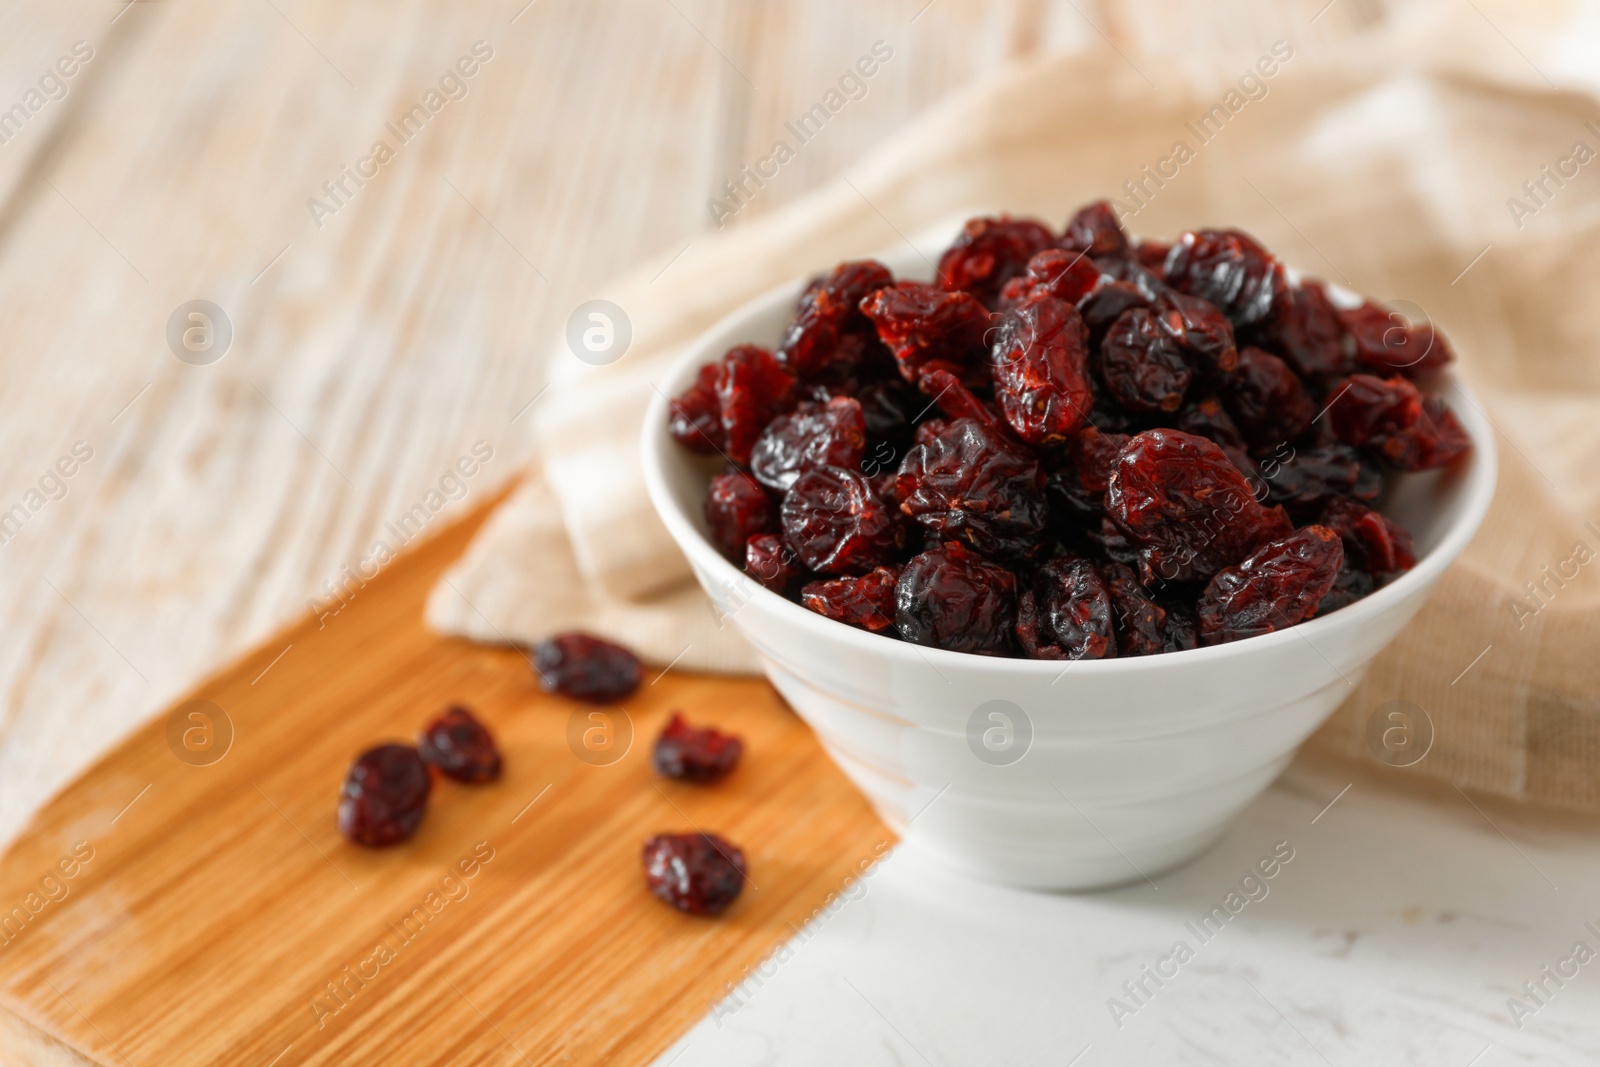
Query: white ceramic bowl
[{"x": 1041, "y": 774}]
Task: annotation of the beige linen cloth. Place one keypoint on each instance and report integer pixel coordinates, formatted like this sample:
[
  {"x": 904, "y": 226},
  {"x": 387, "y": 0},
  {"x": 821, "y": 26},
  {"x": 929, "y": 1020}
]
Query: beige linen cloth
[{"x": 1396, "y": 168}]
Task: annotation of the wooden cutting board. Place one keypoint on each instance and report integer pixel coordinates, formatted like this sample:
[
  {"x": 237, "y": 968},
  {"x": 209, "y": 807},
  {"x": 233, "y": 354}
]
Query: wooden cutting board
[{"x": 177, "y": 911}]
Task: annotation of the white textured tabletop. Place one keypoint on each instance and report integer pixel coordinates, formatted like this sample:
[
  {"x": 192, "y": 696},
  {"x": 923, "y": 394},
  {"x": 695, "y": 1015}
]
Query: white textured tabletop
[{"x": 1345, "y": 927}]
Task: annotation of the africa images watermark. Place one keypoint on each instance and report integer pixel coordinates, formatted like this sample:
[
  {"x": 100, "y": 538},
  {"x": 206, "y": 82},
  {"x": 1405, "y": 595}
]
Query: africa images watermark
[
  {"x": 854, "y": 887},
  {"x": 753, "y": 177},
  {"x": 54, "y": 84},
  {"x": 52, "y": 486},
  {"x": 1551, "y": 979},
  {"x": 1252, "y": 889},
  {"x": 408, "y": 527},
  {"x": 342, "y": 188},
  {"x": 1542, "y": 591},
  {"x": 1251, "y": 86},
  {"x": 1539, "y": 192},
  {"x": 454, "y": 887}
]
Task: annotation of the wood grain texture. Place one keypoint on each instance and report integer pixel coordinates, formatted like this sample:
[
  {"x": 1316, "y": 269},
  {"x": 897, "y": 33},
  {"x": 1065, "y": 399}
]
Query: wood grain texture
[
  {"x": 217, "y": 902},
  {"x": 379, "y": 347}
]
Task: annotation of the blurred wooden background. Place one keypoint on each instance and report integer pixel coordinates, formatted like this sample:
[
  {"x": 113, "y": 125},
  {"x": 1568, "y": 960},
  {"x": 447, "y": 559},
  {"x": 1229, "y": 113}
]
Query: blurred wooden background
[{"x": 369, "y": 353}]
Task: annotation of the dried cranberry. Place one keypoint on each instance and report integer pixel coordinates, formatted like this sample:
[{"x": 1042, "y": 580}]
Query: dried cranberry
[
  {"x": 1186, "y": 506},
  {"x": 1106, "y": 303},
  {"x": 1229, "y": 269},
  {"x": 1066, "y": 612},
  {"x": 1385, "y": 342},
  {"x": 1068, "y": 276},
  {"x": 956, "y": 401},
  {"x": 830, "y": 435},
  {"x": 1267, "y": 401},
  {"x": 695, "y": 421},
  {"x": 970, "y": 485},
  {"x": 954, "y": 599},
  {"x": 1372, "y": 541},
  {"x": 1180, "y": 630},
  {"x": 1302, "y": 478},
  {"x": 1351, "y": 585},
  {"x": 989, "y": 253},
  {"x": 1307, "y": 332},
  {"x": 1094, "y": 457},
  {"x": 890, "y": 409},
  {"x": 866, "y": 601},
  {"x": 920, "y": 324},
  {"x": 1142, "y": 365},
  {"x": 1391, "y": 417},
  {"x": 384, "y": 796},
  {"x": 698, "y": 873},
  {"x": 1152, "y": 256},
  {"x": 460, "y": 746},
  {"x": 736, "y": 509},
  {"x": 1141, "y": 623},
  {"x": 835, "y": 522},
  {"x": 1040, "y": 368},
  {"x": 585, "y": 667},
  {"x": 752, "y": 387},
  {"x": 771, "y": 562},
  {"x": 1279, "y": 584},
  {"x": 828, "y": 311},
  {"x": 694, "y": 753},
  {"x": 1202, "y": 330},
  {"x": 928, "y": 431},
  {"x": 1207, "y": 418},
  {"x": 1096, "y": 231}
]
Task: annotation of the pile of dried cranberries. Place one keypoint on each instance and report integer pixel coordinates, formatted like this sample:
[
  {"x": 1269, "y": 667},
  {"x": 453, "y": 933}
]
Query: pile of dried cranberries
[{"x": 1071, "y": 446}]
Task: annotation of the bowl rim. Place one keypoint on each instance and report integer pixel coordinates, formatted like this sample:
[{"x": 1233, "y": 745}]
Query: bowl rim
[{"x": 1478, "y": 476}]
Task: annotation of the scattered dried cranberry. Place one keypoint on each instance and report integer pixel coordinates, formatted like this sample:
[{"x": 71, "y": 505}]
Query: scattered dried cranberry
[
  {"x": 696, "y": 416},
  {"x": 1188, "y": 508},
  {"x": 1228, "y": 269},
  {"x": 836, "y": 524},
  {"x": 384, "y": 796},
  {"x": 585, "y": 667},
  {"x": 752, "y": 387},
  {"x": 694, "y": 753},
  {"x": 968, "y": 484},
  {"x": 1040, "y": 367},
  {"x": 460, "y": 746},
  {"x": 1096, "y": 231},
  {"x": 1385, "y": 342},
  {"x": 866, "y": 601},
  {"x": 829, "y": 311},
  {"x": 952, "y": 598},
  {"x": 989, "y": 253},
  {"x": 1066, "y": 612},
  {"x": 921, "y": 324},
  {"x": 737, "y": 509},
  {"x": 698, "y": 873},
  {"x": 827, "y": 435},
  {"x": 1280, "y": 584},
  {"x": 771, "y": 562},
  {"x": 1392, "y": 418}
]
